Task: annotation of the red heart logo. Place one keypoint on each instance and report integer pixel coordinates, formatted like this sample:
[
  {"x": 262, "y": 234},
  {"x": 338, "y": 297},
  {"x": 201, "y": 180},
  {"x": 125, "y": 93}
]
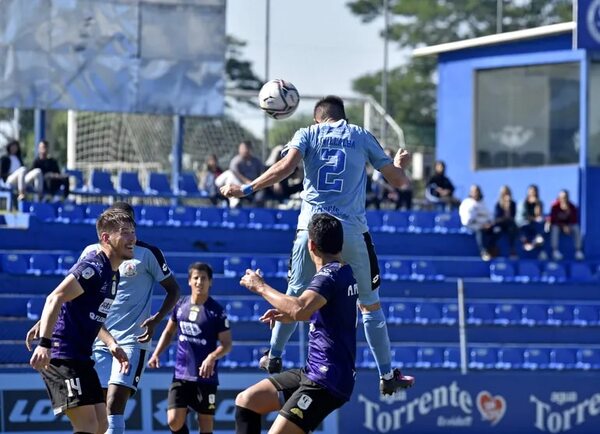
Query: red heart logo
[{"x": 492, "y": 408}]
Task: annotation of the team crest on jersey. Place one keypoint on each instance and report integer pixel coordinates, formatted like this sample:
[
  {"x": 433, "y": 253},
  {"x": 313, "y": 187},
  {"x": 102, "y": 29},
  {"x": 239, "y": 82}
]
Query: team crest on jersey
[
  {"x": 87, "y": 273},
  {"x": 193, "y": 316},
  {"x": 129, "y": 268}
]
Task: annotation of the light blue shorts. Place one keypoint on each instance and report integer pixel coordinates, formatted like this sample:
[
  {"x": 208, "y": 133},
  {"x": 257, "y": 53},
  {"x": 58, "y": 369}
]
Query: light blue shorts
[
  {"x": 358, "y": 251},
  {"x": 108, "y": 367}
]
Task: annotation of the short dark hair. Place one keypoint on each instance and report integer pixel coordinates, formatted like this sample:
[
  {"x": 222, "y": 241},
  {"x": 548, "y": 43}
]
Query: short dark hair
[
  {"x": 111, "y": 220},
  {"x": 45, "y": 142},
  {"x": 327, "y": 233},
  {"x": 330, "y": 107},
  {"x": 199, "y": 267},
  {"x": 248, "y": 143},
  {"x": 125, "y": 207}
]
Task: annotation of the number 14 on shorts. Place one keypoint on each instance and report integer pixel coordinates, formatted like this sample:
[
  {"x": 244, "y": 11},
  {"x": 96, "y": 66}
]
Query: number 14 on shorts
[{"x": 73, "y": 384}]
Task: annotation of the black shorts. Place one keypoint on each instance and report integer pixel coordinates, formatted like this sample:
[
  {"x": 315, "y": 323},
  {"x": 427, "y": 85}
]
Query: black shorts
[
  {"x": 373, "y": 262},
  {"x": 72, "y": 383},
  {"x": 306, "y": 403},
  {"x": 199, "y": 397}
]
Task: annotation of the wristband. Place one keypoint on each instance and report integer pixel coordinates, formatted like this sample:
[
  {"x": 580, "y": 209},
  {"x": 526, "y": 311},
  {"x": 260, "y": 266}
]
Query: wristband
[
  {"x": 45, "y": 342},
  {"x": 247, "y": 189}
]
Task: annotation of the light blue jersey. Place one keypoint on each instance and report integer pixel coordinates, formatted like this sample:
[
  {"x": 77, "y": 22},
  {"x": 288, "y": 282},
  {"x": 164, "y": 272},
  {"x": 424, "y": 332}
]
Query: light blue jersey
[
  {"x": 132, "y": 304},
  {"x": 335, "y": 178}
]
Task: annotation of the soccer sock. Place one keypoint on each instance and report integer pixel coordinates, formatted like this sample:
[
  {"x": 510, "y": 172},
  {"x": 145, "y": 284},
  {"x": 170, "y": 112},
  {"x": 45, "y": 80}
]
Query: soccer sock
[
  {"x": 280, "y": 336},
  {"x": 377, "y": 336},
  {"x": 246, "y": 421},
  {"x": 183, "y": 430},
  {"x": 116, "y": 424}
]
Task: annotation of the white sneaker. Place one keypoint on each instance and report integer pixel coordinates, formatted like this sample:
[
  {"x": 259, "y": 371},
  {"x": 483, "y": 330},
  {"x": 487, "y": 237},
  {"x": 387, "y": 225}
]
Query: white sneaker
[
  {"x": 556, "y": 255},
  {"x": 543, "y": 256},
  {"x": 579, "y": 255}
]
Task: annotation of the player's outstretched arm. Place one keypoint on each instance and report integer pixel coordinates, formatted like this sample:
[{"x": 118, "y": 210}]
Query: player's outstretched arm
[
  {"x": 298, "y": 308},
  {"x": 67, "y": 290},
  {"x": 32, "y": 335},
  {"x": 274, "y": 174},
  {"x": 163, "y": 343},
  {"x": 207, "y": 368},
  {"x": 172, "y": 288}
]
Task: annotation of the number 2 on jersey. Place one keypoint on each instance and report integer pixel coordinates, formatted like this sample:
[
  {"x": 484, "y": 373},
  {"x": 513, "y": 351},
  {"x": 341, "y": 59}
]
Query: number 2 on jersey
[{"x": 334, "y": 165}]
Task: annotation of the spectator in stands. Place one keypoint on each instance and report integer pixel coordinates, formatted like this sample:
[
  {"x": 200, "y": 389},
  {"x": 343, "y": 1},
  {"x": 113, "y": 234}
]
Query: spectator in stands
[
  {"x": 53, "y": 178},
  {"x": 475, "y": 215},
  {"x": 243, "y": 168},
  {"x": 400, "y": 198},
  {"x": 530, "y": 218},
  {"x": 211, "y": 172},
  {"x": 563, "y": 219},
  {"x": 504, "y": 218},
  {"x": 14, "y": 173},
  {"x": 440, "y": 190},
  {"x": 283, "y": 190}
]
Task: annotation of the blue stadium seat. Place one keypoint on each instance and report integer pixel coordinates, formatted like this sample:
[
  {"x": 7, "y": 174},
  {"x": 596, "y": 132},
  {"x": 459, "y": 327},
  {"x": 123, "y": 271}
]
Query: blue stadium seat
[
  {"x": 291, "y": 357},
  {"x": 80, "y": 186},
  {"x": 42, "y": 211},
  {"x": 101, "y": 183},
  {"x": 483, "y": 358},
  {"x": 554, "y": 272},
  {"x": 404, "y": 357},
  {"x": 451, "y": 358},
  {"x": 502, "y": 271},
  {"x": 154, "y": 216},
  {"x": 15, "y": 263},
  {"x": 71, "y": 213},
  {"x": 585, "y": 315},
  {"x": 240, "y": 356},
  {"x": 34, "y": 308},
  {"x": 65, "y": 262},
  {"x": 259, "y": 308},
  {"x": 396, "y": 269},
  {"x": 215, "y": 262},
  {"x": 12, "y": 354},
  {"x": 209, "y": 217},
  {"x": 480, "y": 313},
  {"x": 529, "y": 271},
  {"x": 588, "y": 358},
  {"x": 449, "y": 313},
  {"x": 159, "y": 184},
  {"x": 261, "y": 218},
  {"x": 447, "y": 223},
  {"x": 364, "y": 358},
  {"x": 395, "y": 221},
  {"x": 560, "y": 314},
  {"x": 235, "y": 266},
  {"x": 179, "y": 264},
  {"x": 425, "y": 270},
  {"x": 536, "y": 358},
  {"x": 374, "y": 220},
  {"x": 266, "y": 264},
  {"x": 510, "y": 358},
  {"x": 235, "y": 218},
  {"x": 239, "y": 310},
  {"x": 534, "y": 314},
  {"x": 507, "y": 314},
  {"x": 421, "y": 221},
  {"x": 430, "y": 357},
  {"x": 581, "y": 272},
  {"x": 428, "y": 313},
  {"x": 16, "y": 307},
  {"x": 129, "y": 184},
  {"x": 401, "y": 313},
  {"x": 42, "y": 263},
  {"x": 182, "y": 216},
  {"x": 171, "y": 356},
  {"x": 282, "y": 267},
  {"x": 563, "y": 358},
  {"x": 188, "y": 185},
  {"x": 286, "y": 219},
  {"x": 92, "y": 211}
]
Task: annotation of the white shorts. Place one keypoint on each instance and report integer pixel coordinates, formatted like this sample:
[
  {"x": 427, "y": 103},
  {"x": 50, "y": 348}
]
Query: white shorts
[{"x": 108, "y": 367}]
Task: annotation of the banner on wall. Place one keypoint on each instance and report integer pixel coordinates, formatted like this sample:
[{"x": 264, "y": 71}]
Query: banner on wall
[
  {"x": 588, "y": 24},
  {"x": 502, "y": 403}
]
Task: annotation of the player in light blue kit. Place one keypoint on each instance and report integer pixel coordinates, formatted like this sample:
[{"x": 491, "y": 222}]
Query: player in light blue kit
[
  {"x": 131, "y": 323},
  {"x": 335, "y": 154}
]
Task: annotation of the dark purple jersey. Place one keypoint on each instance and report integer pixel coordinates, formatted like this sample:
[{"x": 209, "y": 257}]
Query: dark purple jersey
[
  {"x": 332, "y": 335},
  {"x": 80, "y": 319},
  {"x": 199, "y": 327}
]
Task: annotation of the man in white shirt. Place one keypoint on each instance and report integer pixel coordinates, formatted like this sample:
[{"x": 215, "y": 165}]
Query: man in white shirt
[
  {"x": 475, "y": 215},
  {"x": 14, "y": 173}
]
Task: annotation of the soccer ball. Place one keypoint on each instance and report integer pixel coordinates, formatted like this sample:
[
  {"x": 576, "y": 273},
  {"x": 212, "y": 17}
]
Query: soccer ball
[{"x": 278, "y": 98}]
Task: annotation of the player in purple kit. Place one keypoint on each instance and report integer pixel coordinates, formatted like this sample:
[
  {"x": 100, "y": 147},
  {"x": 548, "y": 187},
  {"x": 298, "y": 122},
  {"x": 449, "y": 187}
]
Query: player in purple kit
[
  {"x": 201, "y": 322},
  {"x": 329, "y": 303},
  {"x": 73, "y": 317}
]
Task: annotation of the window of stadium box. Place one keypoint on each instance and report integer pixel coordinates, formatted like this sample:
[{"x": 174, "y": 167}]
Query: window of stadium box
[
  {"x": 527, "y": 116},
  {"x": 593, "y": 156}
]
